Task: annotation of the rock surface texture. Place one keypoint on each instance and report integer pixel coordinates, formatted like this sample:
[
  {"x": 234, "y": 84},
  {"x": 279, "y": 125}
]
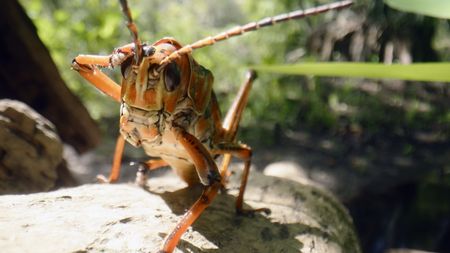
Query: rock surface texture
[
  {"x": 126, "y": 218},
  {"x": 30, "y": 149}
]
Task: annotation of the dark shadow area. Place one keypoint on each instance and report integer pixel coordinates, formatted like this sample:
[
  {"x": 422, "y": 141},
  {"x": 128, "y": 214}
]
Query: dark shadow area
[
  {"x": 251, "y": 234},
  {"x": 395, "y": 188},
  {"x": 411, "y": 214}
]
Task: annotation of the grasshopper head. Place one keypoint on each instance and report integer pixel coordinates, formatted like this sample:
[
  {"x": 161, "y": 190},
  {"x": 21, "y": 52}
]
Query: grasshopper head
[{"x": 147, "y": 85}]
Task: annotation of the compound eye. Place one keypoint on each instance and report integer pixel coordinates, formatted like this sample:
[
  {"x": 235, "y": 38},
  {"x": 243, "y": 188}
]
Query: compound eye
[
  {"x": 148, "y": 50},
  {"x": 172, "y": 76}
]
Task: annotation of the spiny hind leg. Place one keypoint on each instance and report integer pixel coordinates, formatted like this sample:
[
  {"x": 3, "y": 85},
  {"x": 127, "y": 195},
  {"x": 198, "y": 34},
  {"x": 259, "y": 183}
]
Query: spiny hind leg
[
  {"x": 232, "y": 119},
  {"x": 230, "y": 127},
  {"x": 227, "y": 130},
  {"x": 243, "y": 152}
]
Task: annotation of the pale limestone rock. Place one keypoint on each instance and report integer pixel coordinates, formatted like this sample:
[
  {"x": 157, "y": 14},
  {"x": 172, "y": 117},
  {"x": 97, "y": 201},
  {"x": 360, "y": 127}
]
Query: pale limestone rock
[{"x": 126, "y": 218}]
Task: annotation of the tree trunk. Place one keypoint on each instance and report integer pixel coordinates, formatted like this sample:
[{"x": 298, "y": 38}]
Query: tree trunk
[{"x": 28, "y": 74}]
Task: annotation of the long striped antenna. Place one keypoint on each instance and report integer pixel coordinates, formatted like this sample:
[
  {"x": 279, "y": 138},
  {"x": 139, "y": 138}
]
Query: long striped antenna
[
  {"x": 133, "y": 29},
  {"x": 239, "y": 30}
]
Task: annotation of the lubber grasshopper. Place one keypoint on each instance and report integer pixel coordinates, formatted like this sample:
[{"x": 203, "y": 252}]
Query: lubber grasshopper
[{"x": 168, "y": 108}]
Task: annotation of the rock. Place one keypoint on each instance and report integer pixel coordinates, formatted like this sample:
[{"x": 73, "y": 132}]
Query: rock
[
  {"x": 30, "y": 149},
  {"x": 289, "y": 170},
  {"x": 406, "y": 251},
  {"x": 126, "y": 218}
]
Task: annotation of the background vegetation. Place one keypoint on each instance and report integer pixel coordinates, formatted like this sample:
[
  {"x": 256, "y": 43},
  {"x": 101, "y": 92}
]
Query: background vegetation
[{"x": 69, "y": 28}]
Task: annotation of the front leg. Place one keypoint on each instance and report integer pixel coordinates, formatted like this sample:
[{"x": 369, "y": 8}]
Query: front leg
[
  {"x": 87, "y": 67},
  {"x": 92, "y": 74}
]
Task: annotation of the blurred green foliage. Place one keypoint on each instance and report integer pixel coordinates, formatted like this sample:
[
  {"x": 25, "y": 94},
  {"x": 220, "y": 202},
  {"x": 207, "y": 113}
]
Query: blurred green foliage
[{"x": 69, "y": 28}]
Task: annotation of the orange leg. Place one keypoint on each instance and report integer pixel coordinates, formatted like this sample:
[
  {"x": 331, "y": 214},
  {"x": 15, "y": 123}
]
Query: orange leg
[
  {"x": 234, "y": 114},
  {"x": 115, "y": 170},
  {"x": 91, "y": 73},
  {"x": 243, "y": 152},
  {"x": 209, "y": 176},
  {"x": 154, "y": 164},
  {"x": 87, "y": 67},
  {"x": 230, "y": 127},
  {"x": 209, "y": 193}
]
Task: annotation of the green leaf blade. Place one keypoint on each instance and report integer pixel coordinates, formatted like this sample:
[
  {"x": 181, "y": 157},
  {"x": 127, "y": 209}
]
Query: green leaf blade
[
  {"x": 434, "y": 72},
  {"x": 433, "y": 8}
]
